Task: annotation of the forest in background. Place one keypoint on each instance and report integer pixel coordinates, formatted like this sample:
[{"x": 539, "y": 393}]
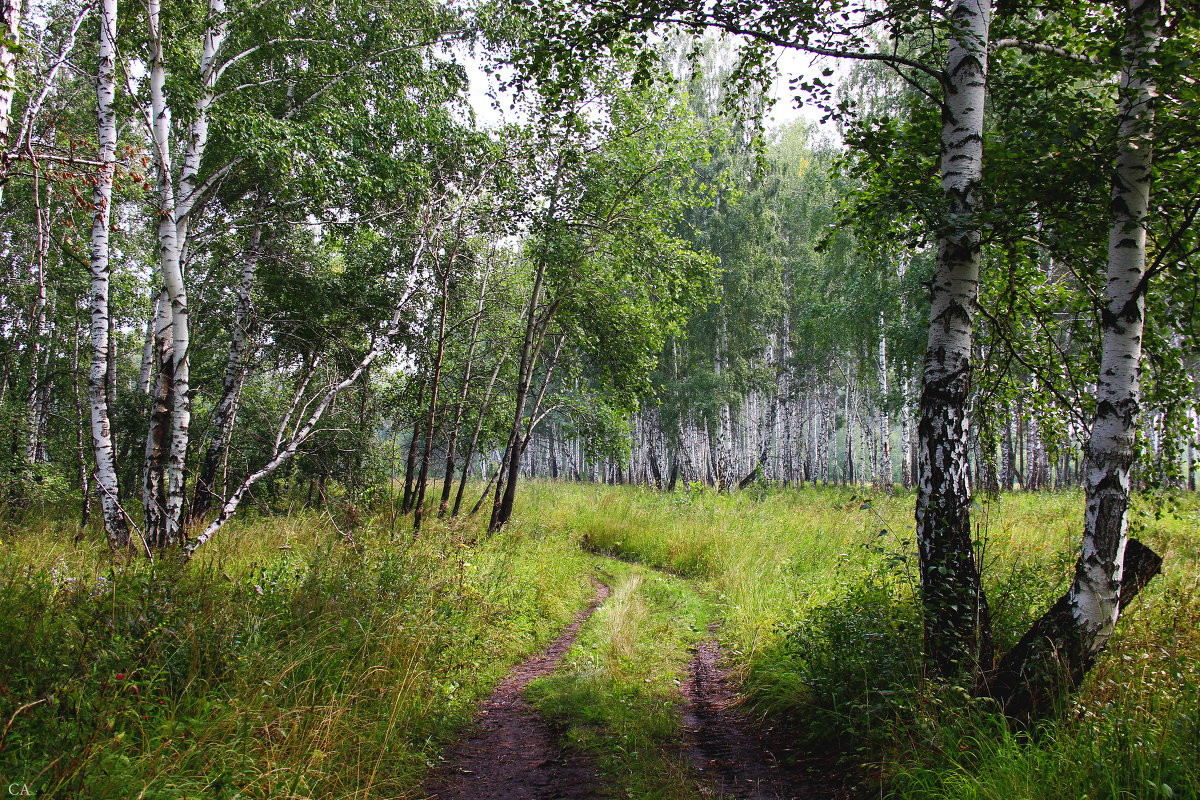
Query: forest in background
[{"x": 261, "y": 255}]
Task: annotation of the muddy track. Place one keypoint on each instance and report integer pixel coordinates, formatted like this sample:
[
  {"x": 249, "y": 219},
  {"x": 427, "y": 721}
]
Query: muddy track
[
  {"x": 513, "y": 753},
  {"x": 736, "y": 757}
]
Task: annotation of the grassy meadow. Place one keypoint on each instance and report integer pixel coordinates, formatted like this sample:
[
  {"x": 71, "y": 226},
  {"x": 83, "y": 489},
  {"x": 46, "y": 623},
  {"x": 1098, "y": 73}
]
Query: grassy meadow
[{"x": 302, "y": 656}]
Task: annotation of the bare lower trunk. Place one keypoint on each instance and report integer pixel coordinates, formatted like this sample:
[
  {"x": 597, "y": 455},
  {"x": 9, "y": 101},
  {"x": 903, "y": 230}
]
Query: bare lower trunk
[
  {"x": 466, "y": 467},
  {"x": 37, "y": 331},
  {"x": 100, "y": 269},
  {"x": 461, "y": 404},
  {"x": 1008, "y": 461},
  {"x": 154, "y": 483},
  {"x": 410, "y": 460},
  {"x": 1058, "y": 651},
  {"x": 885, "y": 424},
  {"x": 166, "y": 444},
  {"x": 957, "y": 630},
  {"x": 231, "y": 385},
  {"x": 85, "y": 484},
  {"x": 423, "y": 477}
]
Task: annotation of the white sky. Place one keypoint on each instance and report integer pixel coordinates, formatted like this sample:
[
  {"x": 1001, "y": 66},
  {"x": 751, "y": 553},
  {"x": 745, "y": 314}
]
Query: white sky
[{"x": 791, "y": 63}]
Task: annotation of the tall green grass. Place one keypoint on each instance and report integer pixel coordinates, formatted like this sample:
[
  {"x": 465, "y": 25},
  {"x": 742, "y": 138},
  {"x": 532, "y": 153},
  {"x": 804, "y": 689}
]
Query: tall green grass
[
  {"x": 283, "y": 663},
  {"x": 818, "y": 588},
  {"x": 291, "y": 660}
]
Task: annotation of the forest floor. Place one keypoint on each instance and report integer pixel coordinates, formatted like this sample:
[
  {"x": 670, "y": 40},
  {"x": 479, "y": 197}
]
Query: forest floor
[
  {"x": 514, "y": 753},
  {"x": 764, "y": 644},
  {"x": 743, "y": 758}
]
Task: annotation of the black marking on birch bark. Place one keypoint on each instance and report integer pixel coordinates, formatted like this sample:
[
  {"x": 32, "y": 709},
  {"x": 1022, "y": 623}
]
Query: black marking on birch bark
[{"x": 1053, "y": 656}]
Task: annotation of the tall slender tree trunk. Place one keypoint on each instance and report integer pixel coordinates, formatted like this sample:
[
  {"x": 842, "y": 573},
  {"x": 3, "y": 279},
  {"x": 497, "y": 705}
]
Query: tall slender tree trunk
[
  {"x": 825, "y": 434},
  {"x": 410, "y": 461},
  {"x": 1193, "y": 433},
  {"x": 10, "y": 40},
  {"x": 957, "y": 628},
  {"x": 37, "y": 333},
  {"x": 174, "y": 214},
  {"x": 231, "y": 384},
  {"x": 535, "y": 329},
  {"x": 423, "y": 477},
  {"x": 100, "y": 269},
  {"x": 1008, "y": 462},
  {"x": 154, "y": 500},
  {"x": 848, "y": 450},
  {"x": 886, "y": 476},
  {"x": 466, "y": 467},
  {"x": 1061, "y": 647},
  {"x": 85, "y": 484},
  {"x": 461, "y": 404}
]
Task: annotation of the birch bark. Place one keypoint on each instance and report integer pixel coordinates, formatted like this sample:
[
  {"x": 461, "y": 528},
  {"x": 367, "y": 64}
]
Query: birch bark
[
  {"x": 231, "y": 384},
  {"x": 10, "y": 40},
  {"x": 174, "y": 211},
  {"x": 1059, "y": 649},
  {"x": 37, "y": 328},
  {"x": 100, "y": 269},
  {"x": 956, "y": 625},
  {"x": 886, "y": 477},
  {"x": 85, "y": 485}
]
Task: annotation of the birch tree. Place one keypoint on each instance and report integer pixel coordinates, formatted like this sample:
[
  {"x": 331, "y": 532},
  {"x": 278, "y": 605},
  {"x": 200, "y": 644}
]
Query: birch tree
[
  {"x": 115, "y": 525},
  {"x": 1059, "y": 649}
]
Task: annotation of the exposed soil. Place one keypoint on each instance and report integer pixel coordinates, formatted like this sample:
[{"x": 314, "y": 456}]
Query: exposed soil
[
  {"x": 513, "y": 753},
  {"x": 737, "y": 757}
]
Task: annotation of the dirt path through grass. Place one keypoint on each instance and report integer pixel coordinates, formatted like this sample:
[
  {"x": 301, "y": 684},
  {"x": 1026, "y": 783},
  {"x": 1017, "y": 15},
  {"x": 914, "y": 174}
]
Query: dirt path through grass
[
  {"x": 513, "y": 753},
  {"x": 738, "y": 757}
]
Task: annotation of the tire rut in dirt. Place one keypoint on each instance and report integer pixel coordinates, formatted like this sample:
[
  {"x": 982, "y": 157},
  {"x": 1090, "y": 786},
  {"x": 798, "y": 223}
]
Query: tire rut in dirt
[
  {"x": 513, "y": 753},
  {"x": 737, "y": 758}
]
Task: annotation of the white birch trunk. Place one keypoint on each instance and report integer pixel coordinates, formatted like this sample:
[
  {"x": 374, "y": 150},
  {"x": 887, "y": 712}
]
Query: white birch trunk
[
  {"x": 163, "y": 524},
  {"x": 174, "y": 217},
  {"x": 37, "y": 332},
  {"x": 1061, "y": 647},
  {"x": 10, "y": 39},
  {"x": 1095, "y": 592},
  {"x": 100, "y": 269},
  {"x": 886, "y": 477},
  {"x": 955, "y": 610},
  {"x": 154, "y": 500}
]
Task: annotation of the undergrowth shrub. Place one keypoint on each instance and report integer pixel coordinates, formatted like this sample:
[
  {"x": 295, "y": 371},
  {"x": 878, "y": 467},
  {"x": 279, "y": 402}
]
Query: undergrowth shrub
[
  {"x": 316, "y": 671},
  {"x": 851, "y": 665}
]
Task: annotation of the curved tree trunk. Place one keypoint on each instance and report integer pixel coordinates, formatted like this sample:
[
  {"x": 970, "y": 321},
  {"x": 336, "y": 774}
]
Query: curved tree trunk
[{"x": 1052, "y": 658}]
